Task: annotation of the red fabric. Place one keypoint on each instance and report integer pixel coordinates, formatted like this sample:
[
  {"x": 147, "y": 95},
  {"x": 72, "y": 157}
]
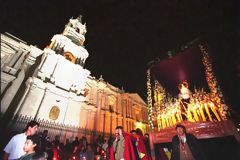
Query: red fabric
[
  {"x": 128, "y": 153},
  {"x": 142, "y": 148},
  {"x": 55, "y": 154},
  {"x": 111, "y": 153}
]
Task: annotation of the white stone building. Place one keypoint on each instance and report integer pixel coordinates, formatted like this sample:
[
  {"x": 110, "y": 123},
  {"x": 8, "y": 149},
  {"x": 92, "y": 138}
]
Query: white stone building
[{"x": 59, "y": 90}]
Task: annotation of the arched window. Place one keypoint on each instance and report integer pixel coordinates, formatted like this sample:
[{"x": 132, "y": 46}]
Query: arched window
[{"x": 69, "y": 56}]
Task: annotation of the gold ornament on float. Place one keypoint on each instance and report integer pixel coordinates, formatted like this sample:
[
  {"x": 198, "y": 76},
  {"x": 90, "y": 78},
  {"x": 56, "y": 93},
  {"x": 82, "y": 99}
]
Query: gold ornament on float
[{"x": 54, "y": 113}]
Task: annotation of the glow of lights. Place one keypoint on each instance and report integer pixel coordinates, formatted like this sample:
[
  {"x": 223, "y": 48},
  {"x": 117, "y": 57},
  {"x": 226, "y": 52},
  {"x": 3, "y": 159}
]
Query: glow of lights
[
  {"x": 139, "y": 125},
  {"x": 212, "y": 82},
  {"x": 159, "y": 96},
  {"x": 111, "y": 100},
  {"x": 149, "y": 100},
  {"x": 168, "y": 109}
]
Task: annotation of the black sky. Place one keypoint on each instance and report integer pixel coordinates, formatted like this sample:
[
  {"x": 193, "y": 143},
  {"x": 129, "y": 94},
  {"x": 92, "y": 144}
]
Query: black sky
[{"x": 124, "y": 35}]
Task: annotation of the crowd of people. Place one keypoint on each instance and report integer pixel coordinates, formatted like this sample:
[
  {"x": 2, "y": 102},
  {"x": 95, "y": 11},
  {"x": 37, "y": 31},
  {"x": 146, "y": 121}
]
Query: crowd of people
[{"x": 123, "y": 146}]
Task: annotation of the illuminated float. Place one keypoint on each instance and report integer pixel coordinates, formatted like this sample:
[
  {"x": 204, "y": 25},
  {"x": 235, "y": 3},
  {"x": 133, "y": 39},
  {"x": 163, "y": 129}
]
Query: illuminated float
[{"x": 182, "y": 88}]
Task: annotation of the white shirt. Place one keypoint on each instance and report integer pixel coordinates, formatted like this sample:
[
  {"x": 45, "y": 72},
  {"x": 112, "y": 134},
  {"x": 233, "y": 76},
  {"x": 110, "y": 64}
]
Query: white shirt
[
  {"x": 104, "y": 146},
  {"x": 15, "y": 146}
]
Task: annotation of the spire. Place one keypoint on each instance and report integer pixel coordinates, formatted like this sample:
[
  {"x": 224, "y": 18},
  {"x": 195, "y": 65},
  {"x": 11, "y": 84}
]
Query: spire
[
  {"x": 70, "y": 43},
  {"x": 75, "y": 30},
  {"x": 79, "y": 18}
]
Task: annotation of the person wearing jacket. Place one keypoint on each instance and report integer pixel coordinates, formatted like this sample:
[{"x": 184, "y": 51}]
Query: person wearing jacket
[
  {"x": 122, "y": 148},
  {"x": 185, "y": 146}
]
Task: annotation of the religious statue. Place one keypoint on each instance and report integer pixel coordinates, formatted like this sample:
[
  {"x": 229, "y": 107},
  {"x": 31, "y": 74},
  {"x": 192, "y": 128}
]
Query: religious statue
[{"x": 184, "y": 96}]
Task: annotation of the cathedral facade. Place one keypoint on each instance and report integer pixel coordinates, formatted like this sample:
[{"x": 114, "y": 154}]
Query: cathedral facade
[{"x": 53, "y": 87}]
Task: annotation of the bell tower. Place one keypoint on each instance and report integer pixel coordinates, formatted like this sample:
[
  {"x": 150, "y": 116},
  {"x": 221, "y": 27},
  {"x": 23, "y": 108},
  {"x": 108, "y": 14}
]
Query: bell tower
[
  {"x": 59, "y": 83},
  {"x": 65, "y": 57},
  {"x": 70, "y": 43}
]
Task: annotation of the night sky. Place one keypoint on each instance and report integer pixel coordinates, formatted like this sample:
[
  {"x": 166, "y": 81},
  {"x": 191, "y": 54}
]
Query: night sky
[{"x": 123, "y": 36}]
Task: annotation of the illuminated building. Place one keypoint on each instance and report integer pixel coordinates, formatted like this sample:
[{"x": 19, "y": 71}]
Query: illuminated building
[{"x": 59, "y": 92}]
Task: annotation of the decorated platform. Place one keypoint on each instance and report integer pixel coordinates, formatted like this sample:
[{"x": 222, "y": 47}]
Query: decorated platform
[
  {"x": 183, "y": 89},
  {"x": 202, "y": 130}
]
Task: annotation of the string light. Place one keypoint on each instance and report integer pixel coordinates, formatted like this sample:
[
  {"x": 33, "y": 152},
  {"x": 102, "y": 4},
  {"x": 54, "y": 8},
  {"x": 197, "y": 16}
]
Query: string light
[
  {"x": 212, "y": 82},
  {"x": 159, "y": 96},
  {"x": 149, "y": 99}
]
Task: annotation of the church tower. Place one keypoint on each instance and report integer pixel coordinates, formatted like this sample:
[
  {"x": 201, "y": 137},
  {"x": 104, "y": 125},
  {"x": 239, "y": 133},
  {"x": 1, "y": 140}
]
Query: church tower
[{"x": 56, "y": 91}]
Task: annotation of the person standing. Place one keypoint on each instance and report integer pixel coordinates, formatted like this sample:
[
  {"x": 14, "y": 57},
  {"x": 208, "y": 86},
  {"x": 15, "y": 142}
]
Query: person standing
[
  {"x": 138, "y": 141},
  {"x": 44, "y": 140},
  {"x": 185, "y": 146},
  {"x": 14, "y": 148},
  {"x": 147, "y": 143},
  {"x": 122, "y": 148}
]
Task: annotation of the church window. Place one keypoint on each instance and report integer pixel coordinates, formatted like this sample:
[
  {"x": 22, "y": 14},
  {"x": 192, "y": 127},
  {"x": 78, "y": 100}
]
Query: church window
[{"x": 69, "y": 56}]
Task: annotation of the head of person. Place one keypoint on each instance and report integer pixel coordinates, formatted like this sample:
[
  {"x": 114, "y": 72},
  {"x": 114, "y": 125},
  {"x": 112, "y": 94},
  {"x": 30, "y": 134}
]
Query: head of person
[
  {"x": 32, "y": 144},
  {"x": 181, "y": 129},
  {"x": 67, "y": 140},
  {"x": 118, "y": 131},
  {"x": 45, "y": 133},
  {"x": 139, "y": 132},
  {"x": 146, "y": 135},
  {"x": 32, "y": 127},
  {"x": 56, "y": 138},
  {"x": 133, "y": 133}
]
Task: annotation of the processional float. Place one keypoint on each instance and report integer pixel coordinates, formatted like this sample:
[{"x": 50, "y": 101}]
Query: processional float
[{"x": 183, "y": 89}]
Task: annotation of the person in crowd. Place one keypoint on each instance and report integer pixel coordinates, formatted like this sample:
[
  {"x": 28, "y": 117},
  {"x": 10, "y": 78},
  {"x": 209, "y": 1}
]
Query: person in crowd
[
  {"x": 138, "y": 141},
  {"x": 185, "y": 146},
  {"x": 105, "y": 145},
  {"x": 134, "y": 141},
  {"x": 57, "y": 152},
  {"x": 40, "y": 156},
  {"x": 14, "y": 148},
  {"x": 99, "y": 140},
  {"x": 68, "y": 148},
  {"x": 110, "y": 141},
  {"x": 56, "y": 140},
  {"x": 49, "y": 150},
  {"x": 147, "y": 143},
  {"x": 31, "y": 147},
  {"x": 122, "y": 148},
  {"x": 84, "y": 143},
  {"x": 44, "y": 140},
  {"x": 89, "y": 154},
  {"x": 75, "y": 155},
  {"x": 75, "y": 142}
]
